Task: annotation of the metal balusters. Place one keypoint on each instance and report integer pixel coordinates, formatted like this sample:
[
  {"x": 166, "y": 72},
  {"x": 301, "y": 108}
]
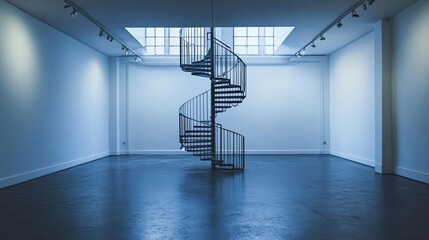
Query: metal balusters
[{"x": 205, "y": 56}]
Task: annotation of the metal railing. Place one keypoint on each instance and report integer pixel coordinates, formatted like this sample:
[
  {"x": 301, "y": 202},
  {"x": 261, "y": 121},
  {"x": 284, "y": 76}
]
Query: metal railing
[
  {"x": 198, "y": 131},
  {"x": 194, "y": 45},
  {"x": 229, "y": 65},
  {"x": 230, "y": 148}
]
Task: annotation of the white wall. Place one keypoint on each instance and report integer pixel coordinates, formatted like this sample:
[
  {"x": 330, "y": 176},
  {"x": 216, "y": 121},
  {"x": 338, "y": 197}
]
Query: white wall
[
  {"x": 352, "y": 101},
  {"x": 411, "y": 93},
  {"x": 282, "y": 113},
  {"x": 154, "y": 97},
  {"x": 283, "y": 109},
  {"x": 53, "y": 99}
]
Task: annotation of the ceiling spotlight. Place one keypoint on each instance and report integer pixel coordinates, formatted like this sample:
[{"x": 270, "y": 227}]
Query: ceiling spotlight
[
  {"x": 303, "y": 51},
  {"x": 111, "y": 39},
  {"x": 313, "y": 45},
  {"x": 73, "y": 13},
  {"x": 298, "y": 54},
  {"x": 67, "y": 5},
  {"x": 355, "y": 14},
  {"x": 370, "y": 2},
  {"x": 322, "y": 38},
  {"x": 108, "y": 36},
  {"x": 137, "y": 59},
  {"x": 339, "y": 24},
  {"x": 101, "y": 33},
  {"x": 365, "y": 6},
  {"x": 125, "y": 49}
]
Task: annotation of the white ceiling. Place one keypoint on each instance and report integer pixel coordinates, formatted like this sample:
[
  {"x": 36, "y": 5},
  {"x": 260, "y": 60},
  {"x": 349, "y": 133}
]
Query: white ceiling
[{"x": 308, "y": 16}]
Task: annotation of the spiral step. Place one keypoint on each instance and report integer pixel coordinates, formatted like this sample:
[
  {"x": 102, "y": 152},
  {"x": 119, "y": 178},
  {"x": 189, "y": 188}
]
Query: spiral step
[{"x": 203, "y": 55}]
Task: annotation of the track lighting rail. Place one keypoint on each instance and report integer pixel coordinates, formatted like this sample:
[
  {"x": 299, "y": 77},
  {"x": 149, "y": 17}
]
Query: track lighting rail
[
  {"x": 337, "y": 22},
  {"x": 103, "y": 30}
]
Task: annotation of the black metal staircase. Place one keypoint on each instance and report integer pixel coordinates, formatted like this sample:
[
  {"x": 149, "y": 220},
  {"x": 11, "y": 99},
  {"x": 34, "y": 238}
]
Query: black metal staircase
[{"x": 203, "y": 55}]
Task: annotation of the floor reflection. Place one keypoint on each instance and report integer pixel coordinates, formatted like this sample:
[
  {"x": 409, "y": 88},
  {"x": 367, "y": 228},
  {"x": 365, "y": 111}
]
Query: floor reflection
[
  {"x": 210, "y": 199},
  {"x": 178, "y": 197}
]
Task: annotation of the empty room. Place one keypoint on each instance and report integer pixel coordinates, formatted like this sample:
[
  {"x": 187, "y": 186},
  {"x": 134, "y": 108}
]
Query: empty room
[{"x": 214, "y": 119}]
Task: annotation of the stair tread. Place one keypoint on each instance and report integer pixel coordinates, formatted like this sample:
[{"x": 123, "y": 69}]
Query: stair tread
[
  {"x": 196, "y": 136},
  {"x": 228, "y": 101},
  {"x": 188, "y": 133},
  {"x": 195, "y": 64},
  {"x": 223, "y": 106},
  {"x": 199, "y": 146},
  {"x": 197, "y": 131},
  {"x": 226, "y": 165},
  {"x": 221, "y": 78},
  {"x": 198, "y": 141},
  {"x": 227, "y": 86},
  {"x": 201, "y": 74},
  {"x": 198, "y": 151},
  {"x": 222, "y": 82},
  {"x": 228, "y": 92},
  {"x": 204, "y": 60},
  {"x": 230, "y": 97},
  {"x": 202, "y": 67}
]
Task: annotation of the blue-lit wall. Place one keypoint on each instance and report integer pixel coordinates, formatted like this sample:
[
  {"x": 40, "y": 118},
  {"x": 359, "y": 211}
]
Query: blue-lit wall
[
  {"x": 282, "y": 114},
  {"x": 352, "y": 99},
  {"x": 352, "y": 81},
  {"x": 53, "y": 99},
  {"x": 411, "y": 92}
]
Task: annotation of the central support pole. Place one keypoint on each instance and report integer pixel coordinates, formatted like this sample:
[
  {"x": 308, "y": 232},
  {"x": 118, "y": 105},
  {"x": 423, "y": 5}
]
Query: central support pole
[{"x": 212, "y": 99}]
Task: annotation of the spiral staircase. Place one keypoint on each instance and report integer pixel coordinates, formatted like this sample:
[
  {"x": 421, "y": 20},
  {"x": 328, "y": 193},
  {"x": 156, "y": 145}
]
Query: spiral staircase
[{"x": 203, "y": 55}]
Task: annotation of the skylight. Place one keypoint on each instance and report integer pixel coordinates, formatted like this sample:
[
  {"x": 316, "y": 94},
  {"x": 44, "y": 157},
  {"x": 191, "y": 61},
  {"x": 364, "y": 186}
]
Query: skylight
[
  {"x": 247, "y": 40},
  {"x": 158, "y": 41},
  {"x": 259, "y": 40}
]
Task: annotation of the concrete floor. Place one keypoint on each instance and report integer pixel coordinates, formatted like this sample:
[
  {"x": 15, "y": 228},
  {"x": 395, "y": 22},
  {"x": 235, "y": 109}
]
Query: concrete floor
[{"x": 179, "y": 197}]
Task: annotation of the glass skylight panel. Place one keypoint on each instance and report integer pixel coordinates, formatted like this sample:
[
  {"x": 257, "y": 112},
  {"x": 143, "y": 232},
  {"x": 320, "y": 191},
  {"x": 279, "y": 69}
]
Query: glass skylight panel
[
  {"x": 174, "y": 41},
  {"x": 259, "y": 40},
  {"x": 240, "y": 31},
  {"x": 269, "y": 31},
  {"x": 242, "y": 50},
  {"x": 150, "y": 41},
  {"x": 253, "y": 50},
  {"x": 269, "y": 41},
  {"x": 240, "y": 41},
  {"x": 158, "y": 41},
  {"x": 247, "y": 40},
  {"x": 174, "y": 51},
  {"x": 159, "y": 32},
  {"x": 159, "y": 50},
  {"x": 253, "y": 41},
  {"x": 252, "y": 31},
  {"x": 174, "y": 32},
  {"x": 150, "y": 32}
]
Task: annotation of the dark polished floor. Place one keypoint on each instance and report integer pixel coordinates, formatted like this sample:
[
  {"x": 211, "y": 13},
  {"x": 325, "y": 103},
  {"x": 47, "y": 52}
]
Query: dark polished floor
[{"x": 179, "y": 197}]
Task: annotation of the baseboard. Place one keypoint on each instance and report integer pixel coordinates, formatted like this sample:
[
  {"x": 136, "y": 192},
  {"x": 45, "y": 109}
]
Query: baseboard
[
  {"x": 23, "y": 177},
  {"x": 285, "y": 152},
  {"x": 378, "y": 168},
  {"x": 412, "y": 174},
  {"x": 167, "y": 152},
  {"x": 162, "y": 152},
  {"x": 364, "y": 161}
]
